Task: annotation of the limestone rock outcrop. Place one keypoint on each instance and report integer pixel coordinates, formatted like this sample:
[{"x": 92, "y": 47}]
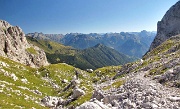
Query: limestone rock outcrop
[
  {"x": 13, "y": 45},
  {"x": 169, "y": 26}
]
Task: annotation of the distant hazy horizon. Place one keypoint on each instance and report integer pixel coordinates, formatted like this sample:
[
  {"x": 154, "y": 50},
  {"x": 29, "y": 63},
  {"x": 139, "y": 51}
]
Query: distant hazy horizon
[{"x": 84, "y": 16}]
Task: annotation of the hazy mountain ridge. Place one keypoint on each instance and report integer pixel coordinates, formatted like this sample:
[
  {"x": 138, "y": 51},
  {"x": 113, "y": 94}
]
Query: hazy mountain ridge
[
  {"x": 90, "y": 58},
  {"x": 53, "y": 37},
  {"x": 112, "y": 40}
]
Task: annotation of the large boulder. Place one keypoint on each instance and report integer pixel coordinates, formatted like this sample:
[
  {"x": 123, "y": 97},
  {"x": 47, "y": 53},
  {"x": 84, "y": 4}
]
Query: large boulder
[
  {"x": 50, "y": 101},
  {"x": 98, "y": 95},
  {"x": 169, "y": 26},
  {"x": 13, "y": 45},
  {"x": 77, "y": 93}
]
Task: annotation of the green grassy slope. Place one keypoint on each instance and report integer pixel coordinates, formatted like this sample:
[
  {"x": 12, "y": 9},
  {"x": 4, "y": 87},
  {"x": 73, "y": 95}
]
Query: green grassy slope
[
  {"x": 94, "y": 57},
  {"x": 159, "y": 63},
  {"x": 16, "y": 93},
  {"x": 52, "y": 47},
  {"x": 100, "y": 56}
]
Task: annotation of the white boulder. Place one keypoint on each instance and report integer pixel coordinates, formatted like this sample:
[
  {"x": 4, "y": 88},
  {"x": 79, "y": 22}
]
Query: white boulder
[
  {"x": 14, "y": 77},
  {"x": 89, "y": 70},
  {"x": 24, "y": 80}
]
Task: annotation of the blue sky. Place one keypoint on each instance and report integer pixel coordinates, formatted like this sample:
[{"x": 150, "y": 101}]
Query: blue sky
[{"x": 84, "y": 16}]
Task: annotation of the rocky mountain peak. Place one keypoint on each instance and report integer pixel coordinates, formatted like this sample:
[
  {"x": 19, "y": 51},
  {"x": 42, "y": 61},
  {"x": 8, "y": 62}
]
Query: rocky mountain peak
[
  {"x": 168, "y": 26},
  {"x": 4, "y": 24},
  {"x": 99, "y": 45},
  {"x": 13, "y": 44}
]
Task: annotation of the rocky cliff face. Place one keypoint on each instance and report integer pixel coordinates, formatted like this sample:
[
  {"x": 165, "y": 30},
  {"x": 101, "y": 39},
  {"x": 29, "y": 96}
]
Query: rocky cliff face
[
  {"x": 13, "y": 44},
  {"x": 168, "y": 26}
]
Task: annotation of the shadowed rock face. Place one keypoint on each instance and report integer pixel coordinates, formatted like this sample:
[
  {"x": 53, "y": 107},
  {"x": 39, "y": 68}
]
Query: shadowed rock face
[
  {"x": 168, "y": 26},
  {"x": 13, "y": 44}
]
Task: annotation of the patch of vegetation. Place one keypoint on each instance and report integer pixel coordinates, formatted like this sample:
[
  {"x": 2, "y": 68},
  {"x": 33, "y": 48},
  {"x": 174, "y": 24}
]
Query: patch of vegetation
[
  {"x": 177, "y": 84},
  {"x": 145, "y": 63},
  {"x": 81, "y": 99},
  {"x": 31, "y": 50},
  {"x": 153, "y": 72},
  {"x": 160, "y": 49},
  {"x": 120, "y": 76},
  {"x": 109, "y": 71},
  {"x": 44, "y": 72},
  {"x": 116, "y": 84},
  {"x": 107, "y": 87},
  {"x": 4, "y": 29},
  {"x": 35, "y": 81}
]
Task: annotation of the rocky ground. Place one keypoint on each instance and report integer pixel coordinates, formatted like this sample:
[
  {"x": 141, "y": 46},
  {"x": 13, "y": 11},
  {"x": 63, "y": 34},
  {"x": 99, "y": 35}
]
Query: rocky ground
[
  {"x": 137, "y": 93},
  {"x": 152, "y": 83}
]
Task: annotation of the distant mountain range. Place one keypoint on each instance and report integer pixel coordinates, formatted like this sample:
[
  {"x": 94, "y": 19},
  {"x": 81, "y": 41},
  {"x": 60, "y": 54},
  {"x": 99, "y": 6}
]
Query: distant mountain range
[
  {"x": 93, "y": 57},
  {"x": 133, "y": 44}
]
